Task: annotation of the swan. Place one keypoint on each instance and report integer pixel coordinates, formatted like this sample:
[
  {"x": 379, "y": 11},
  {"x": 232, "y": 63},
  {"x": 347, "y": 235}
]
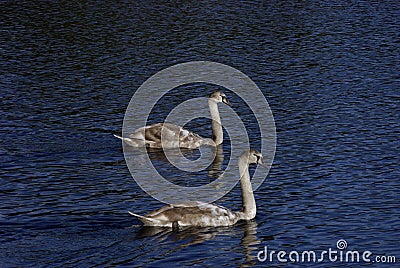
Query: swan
[
  {"x": 174, "y": 136},
  {"x": 205, "y": 214}
]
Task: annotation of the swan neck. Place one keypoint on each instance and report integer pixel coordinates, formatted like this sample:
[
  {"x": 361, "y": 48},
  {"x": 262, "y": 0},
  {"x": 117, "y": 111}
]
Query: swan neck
[
  {"x": 217, "y": 134},
  {"x": 249, "y": 208}
]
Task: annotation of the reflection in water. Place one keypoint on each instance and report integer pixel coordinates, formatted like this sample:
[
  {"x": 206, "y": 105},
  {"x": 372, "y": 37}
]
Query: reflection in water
[
  {"x": 189, "y": 235},
  {"x": 215, "y": 169},
  {"x": 249, "y": 242},
  {"x": 184, "y": 237},
  {"x": 165, "y": 160}
]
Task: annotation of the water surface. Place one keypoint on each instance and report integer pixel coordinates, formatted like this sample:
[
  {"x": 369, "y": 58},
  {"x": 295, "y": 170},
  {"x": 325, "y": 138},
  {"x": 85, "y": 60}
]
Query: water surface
[{"x": 329, "y": 70}]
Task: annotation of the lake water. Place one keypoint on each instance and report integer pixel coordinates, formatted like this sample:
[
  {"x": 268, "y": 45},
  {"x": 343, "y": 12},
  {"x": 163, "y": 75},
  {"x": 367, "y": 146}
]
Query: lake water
[{"x": 329, "y": 70}]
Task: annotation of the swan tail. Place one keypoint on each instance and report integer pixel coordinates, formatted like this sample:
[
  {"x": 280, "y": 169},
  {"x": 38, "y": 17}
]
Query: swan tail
[
  {"x": 146, "y": 221},
  {"x": 136, "y": 142},
  {"x": 129, "y": 141},
  {"x": 119, "y": 137}
]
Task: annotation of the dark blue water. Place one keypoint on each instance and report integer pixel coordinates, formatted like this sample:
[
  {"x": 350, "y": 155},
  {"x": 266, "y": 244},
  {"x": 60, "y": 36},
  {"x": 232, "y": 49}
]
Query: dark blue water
[{"x": 329, "y": 70}]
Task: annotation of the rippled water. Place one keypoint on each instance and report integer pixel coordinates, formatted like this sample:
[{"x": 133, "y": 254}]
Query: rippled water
[{"x": 329, "y": 70}]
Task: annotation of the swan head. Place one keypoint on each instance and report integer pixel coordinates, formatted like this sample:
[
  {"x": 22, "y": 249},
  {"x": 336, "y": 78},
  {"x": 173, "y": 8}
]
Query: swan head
[
  {"x": 254, "y": 157},
  {"x": 219, "y": 96}
]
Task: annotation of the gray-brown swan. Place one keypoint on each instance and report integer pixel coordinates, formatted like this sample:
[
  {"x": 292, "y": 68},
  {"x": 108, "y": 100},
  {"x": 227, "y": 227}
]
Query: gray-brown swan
[
  {"x": 204, "y": 214},
  {"x": 174, "y": 136}
]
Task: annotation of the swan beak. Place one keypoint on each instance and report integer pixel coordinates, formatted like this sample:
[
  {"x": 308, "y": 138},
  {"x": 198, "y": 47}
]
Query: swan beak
[
  {"x": 260, "y": 162},
  {"x": 225, "y": 100}
]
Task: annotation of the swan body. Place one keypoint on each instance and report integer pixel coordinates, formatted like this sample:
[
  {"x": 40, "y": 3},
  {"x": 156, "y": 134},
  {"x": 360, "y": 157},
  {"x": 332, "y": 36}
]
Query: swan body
[
  {"x": 190, "y": 214},
  {"x": 203, "y": 214},
  {"x": 165, "y": 135},
  {"x": 173, "y": 136}
]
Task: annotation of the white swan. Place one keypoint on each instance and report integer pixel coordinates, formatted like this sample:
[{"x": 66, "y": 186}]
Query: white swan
[
  {"x": 174, "y": 136},
  {"x": 204, "y": 214}
]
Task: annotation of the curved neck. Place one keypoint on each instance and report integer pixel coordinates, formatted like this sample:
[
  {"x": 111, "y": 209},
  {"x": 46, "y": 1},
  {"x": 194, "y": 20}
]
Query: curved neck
[
  {"x": 248, "y": 202},
  {"x": 217, "y": 135}
]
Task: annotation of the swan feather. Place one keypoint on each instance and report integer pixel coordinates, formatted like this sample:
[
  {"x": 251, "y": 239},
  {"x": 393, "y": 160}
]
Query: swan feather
[{"x": 190, "y": 214}]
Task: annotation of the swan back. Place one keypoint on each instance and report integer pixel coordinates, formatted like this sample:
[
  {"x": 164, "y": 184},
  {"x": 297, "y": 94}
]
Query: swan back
[
  {"x": 165, "y": 135},
  {"x": 190, "y": 214}
]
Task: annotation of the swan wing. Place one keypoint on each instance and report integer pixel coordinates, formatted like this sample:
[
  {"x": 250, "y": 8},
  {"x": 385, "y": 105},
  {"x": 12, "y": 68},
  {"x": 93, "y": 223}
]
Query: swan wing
[{"x": 173, "y": 136}]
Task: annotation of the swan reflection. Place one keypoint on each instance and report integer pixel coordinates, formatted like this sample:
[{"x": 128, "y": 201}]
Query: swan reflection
[
  {"x": 180, "y": 238},
  {"x": 210, "y": 159}
]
